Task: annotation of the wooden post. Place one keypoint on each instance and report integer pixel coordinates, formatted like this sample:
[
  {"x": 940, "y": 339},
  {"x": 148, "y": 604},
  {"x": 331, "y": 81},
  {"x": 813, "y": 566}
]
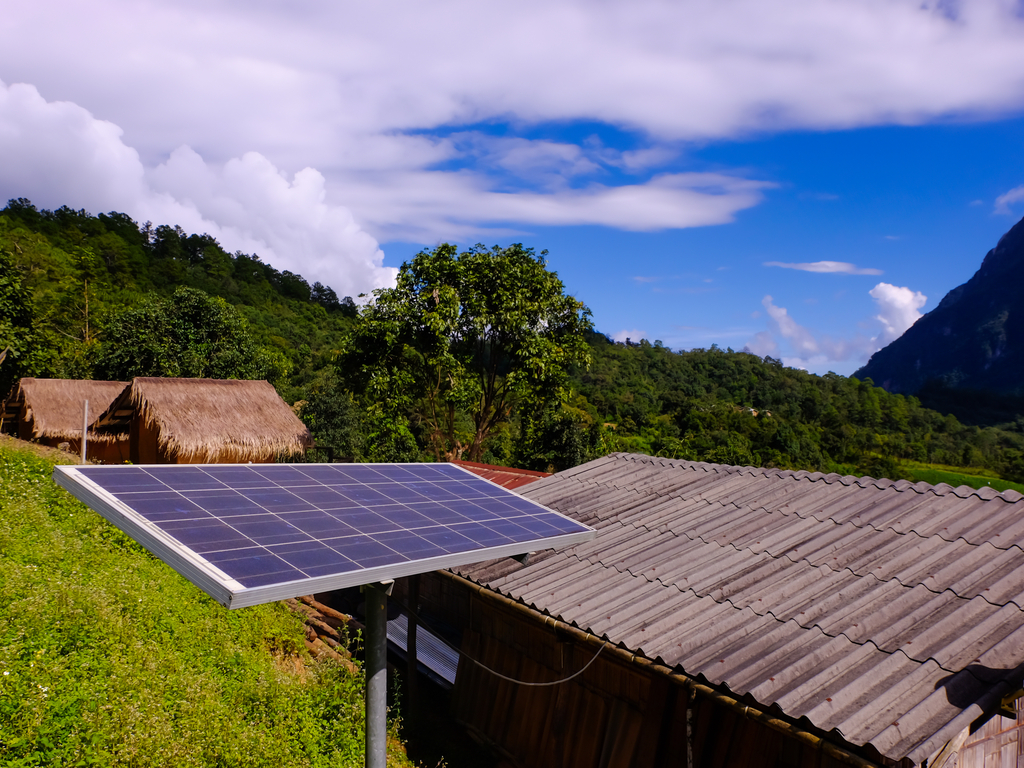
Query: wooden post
[{"x": 85, "y": 427}]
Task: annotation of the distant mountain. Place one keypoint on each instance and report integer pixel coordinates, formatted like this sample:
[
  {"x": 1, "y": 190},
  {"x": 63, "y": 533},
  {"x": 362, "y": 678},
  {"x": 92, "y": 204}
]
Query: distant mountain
[{"x": 974, "y": 339}]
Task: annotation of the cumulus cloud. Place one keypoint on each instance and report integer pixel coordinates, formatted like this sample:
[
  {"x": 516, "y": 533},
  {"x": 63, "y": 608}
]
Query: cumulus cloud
[
  {"x": 377, "y": 96},
  {"x": 1003, "y": 202},
  {"x": 799, "y": 347},
  {"x": 56, "y": 153},
  {"x": 899, "y": 308},
  {"x": 634, "y": 335},
  {"x": 62, "y": 154},
  {"x": 59, "y": 154},
  {"x": 686, "y": 71},
  {"x": 251, "y": 202},
  {"x": 833, "y": 267}
]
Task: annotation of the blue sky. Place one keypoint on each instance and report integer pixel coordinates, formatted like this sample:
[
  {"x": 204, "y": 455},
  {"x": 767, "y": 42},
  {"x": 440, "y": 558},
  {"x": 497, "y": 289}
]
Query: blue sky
[{"x": 802, "y": 179}]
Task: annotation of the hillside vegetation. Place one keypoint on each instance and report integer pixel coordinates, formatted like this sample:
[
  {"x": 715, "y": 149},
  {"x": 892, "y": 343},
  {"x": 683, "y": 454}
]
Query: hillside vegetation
[
  {"x": 735, "y": 408},
  {"x": 104, "y": 297},
  {"x": 66, "y": 276},
  {"x": 109, "y": 658}
]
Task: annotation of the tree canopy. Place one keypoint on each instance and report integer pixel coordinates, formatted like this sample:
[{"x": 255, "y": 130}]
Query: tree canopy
[
  {"x": 482, "y": 335},
  {"x": 191, "y": 335},
  {"x": 16, "y": 336}
]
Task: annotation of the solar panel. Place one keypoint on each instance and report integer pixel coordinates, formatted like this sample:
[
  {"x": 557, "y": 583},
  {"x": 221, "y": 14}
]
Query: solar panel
[{"x": 253, "y": 533}]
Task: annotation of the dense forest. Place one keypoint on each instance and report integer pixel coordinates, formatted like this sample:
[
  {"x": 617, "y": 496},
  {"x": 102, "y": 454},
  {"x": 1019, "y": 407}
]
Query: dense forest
[
  {"x": 104, "y": 297},
  {"x": 735, "y": 408}
]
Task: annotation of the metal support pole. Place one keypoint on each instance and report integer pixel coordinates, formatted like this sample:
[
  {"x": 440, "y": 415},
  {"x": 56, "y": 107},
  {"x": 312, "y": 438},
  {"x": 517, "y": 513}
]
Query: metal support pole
[
  {"x": 412, "y": 673},
  {"x": 376, "y": 674}
]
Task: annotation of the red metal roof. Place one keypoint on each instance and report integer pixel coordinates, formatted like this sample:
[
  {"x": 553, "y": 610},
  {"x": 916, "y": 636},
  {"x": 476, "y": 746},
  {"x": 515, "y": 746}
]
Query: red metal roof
[
  {"x": 506, "y": 477},
  {"x": 889, "y": 611}
]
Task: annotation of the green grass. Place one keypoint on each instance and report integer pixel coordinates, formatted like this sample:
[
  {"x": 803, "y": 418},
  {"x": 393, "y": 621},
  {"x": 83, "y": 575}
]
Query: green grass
[
  {"x": 109, "y": 658},
  {"x": 955, "y": 476}
]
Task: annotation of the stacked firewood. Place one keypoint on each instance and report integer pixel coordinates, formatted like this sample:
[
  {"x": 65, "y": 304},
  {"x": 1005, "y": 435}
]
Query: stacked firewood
[{"x": 328, "y": 632}]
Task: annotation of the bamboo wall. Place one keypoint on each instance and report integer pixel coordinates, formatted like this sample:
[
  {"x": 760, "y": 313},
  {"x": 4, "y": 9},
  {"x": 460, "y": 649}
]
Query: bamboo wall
[{"x": 143, "y": 441}]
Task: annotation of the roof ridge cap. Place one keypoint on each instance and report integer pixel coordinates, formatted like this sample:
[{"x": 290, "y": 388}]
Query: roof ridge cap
[{"x": 900, "y": 485}]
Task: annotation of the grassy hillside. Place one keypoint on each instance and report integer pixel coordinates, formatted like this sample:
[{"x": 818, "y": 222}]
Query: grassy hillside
[{"x": 107, "y": 657}]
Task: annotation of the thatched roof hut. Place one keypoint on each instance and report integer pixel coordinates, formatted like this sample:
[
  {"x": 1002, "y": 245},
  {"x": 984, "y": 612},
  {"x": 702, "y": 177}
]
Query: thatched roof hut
[
  {"x": 49, "y": 411},
  {"x": 206, "y": 421}
]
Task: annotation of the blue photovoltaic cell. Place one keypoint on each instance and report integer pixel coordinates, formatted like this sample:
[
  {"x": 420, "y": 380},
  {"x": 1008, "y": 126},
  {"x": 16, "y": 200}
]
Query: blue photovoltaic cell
[{"x": 287, "y": 524}]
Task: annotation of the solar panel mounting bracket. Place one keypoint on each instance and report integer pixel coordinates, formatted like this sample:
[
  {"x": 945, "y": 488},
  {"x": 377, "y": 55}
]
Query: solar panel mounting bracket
[
  {"x": 387, "y": 586},
  {"x": 1007, "y": 706}
]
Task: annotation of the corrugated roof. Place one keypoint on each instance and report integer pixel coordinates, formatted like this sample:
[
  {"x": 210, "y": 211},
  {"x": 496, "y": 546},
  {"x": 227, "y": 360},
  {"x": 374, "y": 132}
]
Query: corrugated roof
[
  {"x": 891, "y": 612},
  {"x": 506, "y": 477}
]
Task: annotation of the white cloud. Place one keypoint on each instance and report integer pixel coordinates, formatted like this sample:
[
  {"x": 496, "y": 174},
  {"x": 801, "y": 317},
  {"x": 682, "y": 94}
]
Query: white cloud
[
  {"x": 833, "y": 267},
  {"x": 898, "y": 309},
  {"x": 798, "y": 337},
  {"x": 763, "y": 344},
  {"x": 687, "y": 71},
  {"x": 375, "y": 95},
  {"x": 426, "y": 206},
  {"x": 530, "y": 159},
  {"x": 1003, "y": 202},
  {"x": 62, "y": 155},
  {"x": 56, "y": 153},
  {"x": 288, "y": 221},
  {"x": 634, "y": 335}
]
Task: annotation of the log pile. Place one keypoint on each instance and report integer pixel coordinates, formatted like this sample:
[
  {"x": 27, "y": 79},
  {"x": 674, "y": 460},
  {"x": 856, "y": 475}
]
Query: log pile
[{"x": 328, "y": 632}]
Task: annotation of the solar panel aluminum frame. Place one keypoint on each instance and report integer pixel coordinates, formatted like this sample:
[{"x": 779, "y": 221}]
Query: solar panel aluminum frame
[{"x": 232, "y": 594}]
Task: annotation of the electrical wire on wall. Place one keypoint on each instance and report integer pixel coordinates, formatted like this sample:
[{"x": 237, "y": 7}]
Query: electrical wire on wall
[{"x": 484, "y": 667}]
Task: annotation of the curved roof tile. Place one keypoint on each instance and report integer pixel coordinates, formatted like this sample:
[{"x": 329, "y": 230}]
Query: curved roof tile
[{"x": 888, "y": 611}]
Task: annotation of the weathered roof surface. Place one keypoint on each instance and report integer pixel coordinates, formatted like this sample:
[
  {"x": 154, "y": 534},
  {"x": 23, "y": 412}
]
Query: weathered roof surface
[
  {"x": 53, "y": 407},
  {"x": 506, "y": 477},
  {"x": 888, "y": 611},
  {"x": 201, "y": 418}
]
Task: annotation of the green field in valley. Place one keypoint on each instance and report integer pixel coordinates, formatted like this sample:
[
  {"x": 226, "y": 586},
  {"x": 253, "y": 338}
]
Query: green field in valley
[{"x": 955, "y": 476}]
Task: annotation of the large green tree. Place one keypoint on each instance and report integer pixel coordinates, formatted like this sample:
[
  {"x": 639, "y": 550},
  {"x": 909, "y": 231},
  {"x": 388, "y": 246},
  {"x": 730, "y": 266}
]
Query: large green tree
[
  {"x": 466, "y": 341},
  {"x": 191, "y": 335},
  {"x": 17, "y": 339}
]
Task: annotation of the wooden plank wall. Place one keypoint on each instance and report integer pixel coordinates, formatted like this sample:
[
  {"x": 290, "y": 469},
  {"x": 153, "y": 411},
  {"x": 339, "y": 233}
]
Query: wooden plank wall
[
  {"x": 613, "y": 715},
  {"x": 997, "y": 744},
  {"x": 595, "y": 719}
]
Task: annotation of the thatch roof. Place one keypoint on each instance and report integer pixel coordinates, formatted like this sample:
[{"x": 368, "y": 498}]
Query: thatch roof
[
  {"x": 53, "y": 407},
  {"x": 203, "y": 418}
]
